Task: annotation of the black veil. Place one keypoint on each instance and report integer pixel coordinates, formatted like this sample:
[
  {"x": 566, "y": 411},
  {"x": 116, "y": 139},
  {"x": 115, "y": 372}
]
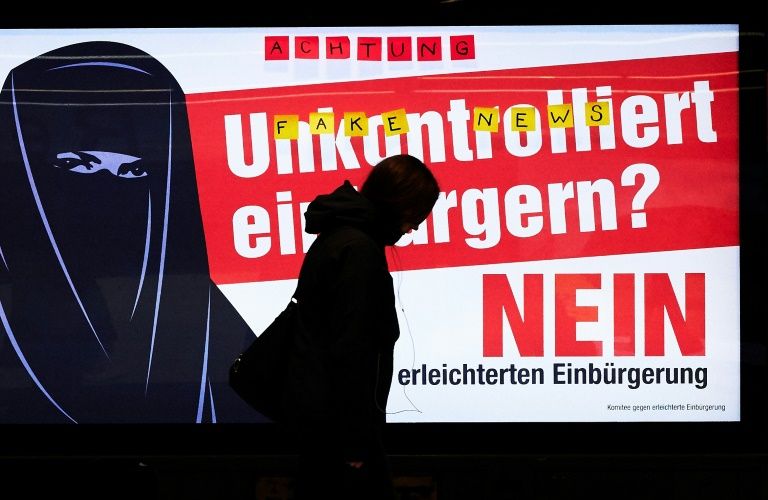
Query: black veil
[{"x": 107, "y": 308}]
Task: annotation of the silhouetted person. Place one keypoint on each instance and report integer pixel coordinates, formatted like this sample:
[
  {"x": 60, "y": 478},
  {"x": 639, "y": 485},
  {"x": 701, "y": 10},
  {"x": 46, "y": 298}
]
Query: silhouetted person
[{"x": 337, "y": 394}]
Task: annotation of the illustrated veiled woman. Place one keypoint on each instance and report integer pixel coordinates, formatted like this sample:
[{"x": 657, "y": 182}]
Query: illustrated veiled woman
[{"x": 107, "y": 308}]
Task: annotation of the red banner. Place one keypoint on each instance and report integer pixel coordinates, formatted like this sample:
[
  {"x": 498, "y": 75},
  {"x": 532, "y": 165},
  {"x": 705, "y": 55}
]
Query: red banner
[{"x": 660, "y": 174}]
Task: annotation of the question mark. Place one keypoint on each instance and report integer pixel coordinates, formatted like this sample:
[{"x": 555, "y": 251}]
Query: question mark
[{"x": 650, "y": 183}]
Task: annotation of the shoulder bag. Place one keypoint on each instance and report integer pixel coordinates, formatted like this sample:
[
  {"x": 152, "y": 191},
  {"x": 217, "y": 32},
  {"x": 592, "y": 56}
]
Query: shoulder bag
[{"x": 260, "y": 373}]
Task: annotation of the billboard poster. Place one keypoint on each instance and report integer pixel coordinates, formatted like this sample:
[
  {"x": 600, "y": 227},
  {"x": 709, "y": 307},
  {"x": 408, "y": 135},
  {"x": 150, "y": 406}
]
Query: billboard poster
[{"x": 581, "y": 263}]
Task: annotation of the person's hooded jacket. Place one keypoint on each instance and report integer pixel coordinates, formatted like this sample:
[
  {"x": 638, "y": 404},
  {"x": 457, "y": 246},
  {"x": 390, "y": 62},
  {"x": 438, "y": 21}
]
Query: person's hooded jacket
[{"x": 346, "y": 299}]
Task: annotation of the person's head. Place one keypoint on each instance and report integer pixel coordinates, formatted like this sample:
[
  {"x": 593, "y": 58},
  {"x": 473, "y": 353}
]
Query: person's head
[{"x": 404, "y": 189}]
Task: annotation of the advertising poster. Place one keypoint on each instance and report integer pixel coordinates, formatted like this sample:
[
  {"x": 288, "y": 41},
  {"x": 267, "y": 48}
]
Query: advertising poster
[{"x": 580, "y": 265}]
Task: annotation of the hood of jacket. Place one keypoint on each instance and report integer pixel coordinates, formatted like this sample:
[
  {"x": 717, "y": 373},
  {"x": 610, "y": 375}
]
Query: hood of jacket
[{"x": 345, "y": 206}]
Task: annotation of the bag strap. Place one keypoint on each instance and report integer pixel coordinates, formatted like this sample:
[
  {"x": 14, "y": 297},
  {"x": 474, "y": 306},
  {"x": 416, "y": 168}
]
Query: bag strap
[{"x": 297, "y": 293}]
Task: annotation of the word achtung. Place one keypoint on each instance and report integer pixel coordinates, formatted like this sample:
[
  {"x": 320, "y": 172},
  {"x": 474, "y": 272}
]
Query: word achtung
[{"x": 369, "y": 48}]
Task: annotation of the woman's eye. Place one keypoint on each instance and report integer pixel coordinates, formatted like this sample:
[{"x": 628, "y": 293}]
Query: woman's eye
[
  {"x": 74, "y": 164},
  {"x": 66, "y": 162},
  {"x": 131, "y": 170}
]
